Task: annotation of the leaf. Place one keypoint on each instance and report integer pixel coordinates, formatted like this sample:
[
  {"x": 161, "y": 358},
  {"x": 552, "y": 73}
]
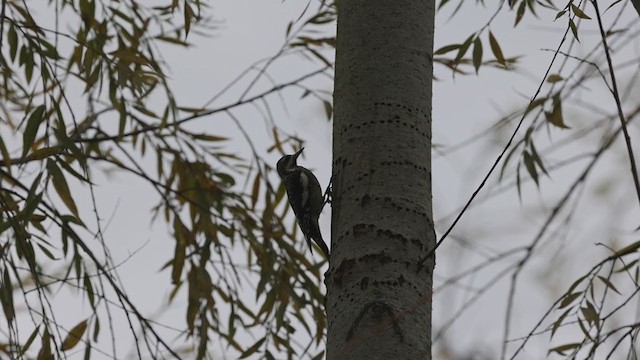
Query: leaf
[
  {"x": 212, "y": 138},
  {"x": 531, "y": 167},
  {"x": 96, "y": 329},
  {"x": 255, "y": 191},
  {"x": 30, "y": 131},
  {"x": 45, "y": 350},
  {"x": 13, "y": 42},
  {"x": 73, "y": 338},
  {"x": 495, "y": 48},
  {"x": 636, "y": 4},
  {"x": 590, "y": 314},
  {"x": 584, "y": 329},
  {"x": 445, "y": 49},
  {"x": 188, "y": 15},
  {"x": 27, "y": 344},
  {"x": 574, "y": 29},
  {"x": 328, "y": 109},
  {"x": 579, "y": 13},
  {"x": 569, "y": 299},
  {"x": 60, "y": 184},
  {"x": 463, "y": 49},
  {"x": 6, "y": 158},
  {"x": 477, "y": 54},
  {"x": 179, "y": 255},
  {"x": 534, "y": 104},
  {"x": 563, "y": 348},
  {"x": 172, "y": 40},
  {"x": 628, "y": 249},
  {"x": 627, "y": 266},
  {"x": 252, "y": 349},
  {"x": 575, "y": 284},
  {"x": 554, "y": 78},
  {"x": 558, "y": 322},
  {"x": 33, "y": 198},
  {"x": 6, "y": 297},
  {"x": 559, "y": 14},
  {"x": 520, "y": 12},
  {"x": 89, "y": 290},
  {"x": 518, "y": 183},
  {"x": 608, "y": 283},
  {"x": 538, "y": 159},
  {"x": 555, "y": 116}
]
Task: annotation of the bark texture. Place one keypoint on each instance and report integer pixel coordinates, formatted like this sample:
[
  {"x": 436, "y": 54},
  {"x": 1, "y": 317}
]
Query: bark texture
[{"x": 378, "y": 302}]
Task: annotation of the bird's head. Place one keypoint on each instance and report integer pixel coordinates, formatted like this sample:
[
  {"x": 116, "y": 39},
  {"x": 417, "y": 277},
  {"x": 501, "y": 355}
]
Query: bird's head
[{"x": 288, "y": 163}]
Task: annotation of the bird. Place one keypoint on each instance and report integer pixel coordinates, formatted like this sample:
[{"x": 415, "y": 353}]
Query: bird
[{"x": 305, "y": 198}]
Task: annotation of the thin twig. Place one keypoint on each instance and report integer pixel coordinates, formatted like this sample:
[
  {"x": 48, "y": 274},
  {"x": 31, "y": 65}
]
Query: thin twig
[{"x": 616, "y": 96}]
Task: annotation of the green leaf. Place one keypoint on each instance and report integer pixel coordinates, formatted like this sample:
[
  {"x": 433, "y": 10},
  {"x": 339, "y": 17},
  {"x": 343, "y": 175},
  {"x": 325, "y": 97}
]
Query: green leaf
[
  {"x": 13, "y": 42},
  {"x": 558, "y": 322},
  {"x": 534, "y": 104},
  {"x": 188, "y": 16},
  {"x": 531, "y": 167},
  {"x": 574, "y": 29},
  {"x": 212, "y": 138},
  {"x": 180, "y": 252},
  {"x": 520, "y": 12},
  {"x": 575, "y": 284},
  {"x": 45, "y": 350},
  {"x": 30, "y": 131},
  {"x": 628, "y": 249},
  {"x": 608, "y": 283},
  {"x": 477, "y": 54},
  {"x": 569, "y": 299},
  {"x": 27, "y": 344},
  {"x": 636, "y": 4},
  {"x": 60, "y": 184},
  {"x": 88, "y": 287},
  {"x": 590, "y": 314},
  {"x": 627, "y": 266},
  {"x": 6, "y": 158},
  {"x": 555, "y": 116},
  {"x": 255, "y": 191},
  {"x": 73, "y": 338},
  {"x": 96, "y": 329},
  {"x": 6, "y": 297},
  {"x": 495, "y": 48},
  {"x": 563, "y": 348},
  {"x": 255, "y": 347},
  {"x": 463, "y": 49},
  {"x": 554, "y": 78},
  {"x": 445, "y": 49},
  {"x": 328, "y": 109},
  {"x": 579, "y": 13},
  {"x": 172, "y": 40},
  {"x": 33, "y": 198},
  {"x": 537, "y": 158}
]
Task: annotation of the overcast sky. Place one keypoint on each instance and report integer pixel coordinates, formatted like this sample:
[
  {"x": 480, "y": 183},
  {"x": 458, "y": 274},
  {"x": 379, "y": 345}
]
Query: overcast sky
[{"x": 462, "y": 107}]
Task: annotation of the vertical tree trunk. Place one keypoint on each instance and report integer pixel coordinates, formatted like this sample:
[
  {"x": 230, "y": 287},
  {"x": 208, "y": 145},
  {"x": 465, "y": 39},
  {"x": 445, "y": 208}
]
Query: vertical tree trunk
[{"x": 378, "y": 303}]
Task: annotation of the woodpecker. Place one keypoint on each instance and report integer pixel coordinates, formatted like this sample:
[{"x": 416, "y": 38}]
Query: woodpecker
[{"x": 305, "y": 198}]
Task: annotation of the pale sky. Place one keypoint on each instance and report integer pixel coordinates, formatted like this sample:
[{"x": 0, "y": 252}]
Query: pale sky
[{"x": 462, "y": 106}]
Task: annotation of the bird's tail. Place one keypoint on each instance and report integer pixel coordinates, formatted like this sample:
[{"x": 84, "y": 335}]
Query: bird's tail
[{"x": 316, "y": 235}]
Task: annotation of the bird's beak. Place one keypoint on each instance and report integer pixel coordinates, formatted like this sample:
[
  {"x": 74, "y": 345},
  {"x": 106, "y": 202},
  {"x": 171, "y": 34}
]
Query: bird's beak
[{"x": 295, "y": 156}]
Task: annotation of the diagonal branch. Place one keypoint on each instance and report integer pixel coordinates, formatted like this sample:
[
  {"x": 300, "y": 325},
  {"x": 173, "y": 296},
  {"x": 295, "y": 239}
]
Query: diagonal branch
[{"x": 616, "y": 96}]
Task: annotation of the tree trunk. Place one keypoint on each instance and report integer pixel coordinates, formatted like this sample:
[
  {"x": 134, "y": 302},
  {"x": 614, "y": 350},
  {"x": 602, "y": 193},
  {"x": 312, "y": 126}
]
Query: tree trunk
[{"x": 378, "y": 302}]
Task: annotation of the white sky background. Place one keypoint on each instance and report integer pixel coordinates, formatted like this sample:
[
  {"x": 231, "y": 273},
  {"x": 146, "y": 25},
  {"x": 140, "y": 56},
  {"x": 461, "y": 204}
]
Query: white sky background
[{"x": 462, "y": 107}]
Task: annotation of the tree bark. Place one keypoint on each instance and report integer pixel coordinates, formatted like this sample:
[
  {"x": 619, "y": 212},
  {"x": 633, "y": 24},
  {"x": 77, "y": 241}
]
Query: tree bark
[{"x": 378, "y": 302}]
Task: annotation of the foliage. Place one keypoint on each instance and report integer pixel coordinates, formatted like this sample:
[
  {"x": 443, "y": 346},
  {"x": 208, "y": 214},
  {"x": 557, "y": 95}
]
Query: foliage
[{"x": 53, "y": 231}]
